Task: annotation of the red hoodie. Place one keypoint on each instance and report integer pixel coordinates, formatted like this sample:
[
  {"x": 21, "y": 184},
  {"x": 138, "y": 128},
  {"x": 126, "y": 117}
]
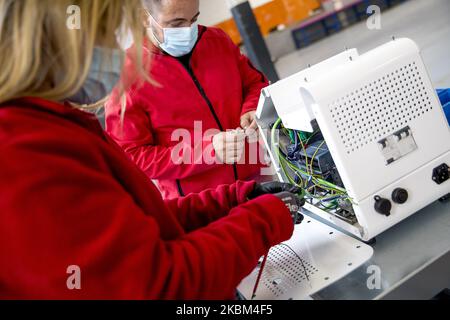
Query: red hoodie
[
  {"x": 70, "y": 197},
  {"x": 220, "y": 86}
]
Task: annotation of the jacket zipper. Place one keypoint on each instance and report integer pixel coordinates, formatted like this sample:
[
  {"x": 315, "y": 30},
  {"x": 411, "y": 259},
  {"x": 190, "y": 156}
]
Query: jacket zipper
[
  {"x": 213, "y": 112},
  {"x": 180, "y": 190},
  {"x": 211, "y": 109}
]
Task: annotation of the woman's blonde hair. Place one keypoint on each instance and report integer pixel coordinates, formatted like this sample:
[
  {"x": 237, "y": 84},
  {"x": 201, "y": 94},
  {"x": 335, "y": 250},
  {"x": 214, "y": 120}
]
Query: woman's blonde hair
[{"x": 43, "y": 55}]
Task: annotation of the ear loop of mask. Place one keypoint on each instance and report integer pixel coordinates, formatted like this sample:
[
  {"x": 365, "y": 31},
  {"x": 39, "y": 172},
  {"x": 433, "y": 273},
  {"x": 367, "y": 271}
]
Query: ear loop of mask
[{"x": 153, "y": 33}]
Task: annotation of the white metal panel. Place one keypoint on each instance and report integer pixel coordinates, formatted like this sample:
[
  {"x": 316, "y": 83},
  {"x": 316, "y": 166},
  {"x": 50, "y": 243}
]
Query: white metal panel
[
  {"x": 326, "y": 255},
  {"x": 422, "y": 191},
  {"x": 286, "y": 96},
  {"x": 355, "y": 229},
  {"x": 359, "y": 104},
  {"x": 361, "y": 108}
]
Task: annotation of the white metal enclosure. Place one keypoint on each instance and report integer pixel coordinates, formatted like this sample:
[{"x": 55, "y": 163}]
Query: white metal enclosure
[{"x": 382, "y": 121}]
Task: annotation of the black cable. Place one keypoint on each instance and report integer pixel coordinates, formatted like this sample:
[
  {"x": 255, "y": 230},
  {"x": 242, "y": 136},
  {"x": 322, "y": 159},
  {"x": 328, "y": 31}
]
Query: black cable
[{"x": 298, "y": 257}]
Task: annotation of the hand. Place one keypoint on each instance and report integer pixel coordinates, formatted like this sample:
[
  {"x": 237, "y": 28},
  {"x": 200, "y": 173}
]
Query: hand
[
  {"x": 273, "y": 188},
  {"x": 229, "y": 146},
  {"x": 248, "y": 123},
  {"x": 293, "y": 202}
]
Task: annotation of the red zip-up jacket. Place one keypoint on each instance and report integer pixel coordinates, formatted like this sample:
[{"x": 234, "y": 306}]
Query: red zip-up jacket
[
  {"x": 71, "y": 197},
  {"x": 220, "y": 86}
]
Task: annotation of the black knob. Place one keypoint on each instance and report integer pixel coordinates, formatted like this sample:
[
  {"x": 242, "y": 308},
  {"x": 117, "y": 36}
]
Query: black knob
[
  {"x": 400, "y": 196},
  {"x": 383, "y": 206}
]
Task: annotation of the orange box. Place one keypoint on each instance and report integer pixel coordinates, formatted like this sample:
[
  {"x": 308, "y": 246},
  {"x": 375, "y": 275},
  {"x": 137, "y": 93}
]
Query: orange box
[
  {"x": 268, "y": 17},
  {"x": 230, "y": 28},
  {"x": 272, "y": 14},
  {"x": 298, "y": 10}
]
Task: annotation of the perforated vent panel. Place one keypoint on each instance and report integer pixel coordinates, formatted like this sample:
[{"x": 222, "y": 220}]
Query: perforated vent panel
[
  {"x": 381, "y": 107},
  {"x": 306, "y": 263},
  {"x": 285, "y": 270}
]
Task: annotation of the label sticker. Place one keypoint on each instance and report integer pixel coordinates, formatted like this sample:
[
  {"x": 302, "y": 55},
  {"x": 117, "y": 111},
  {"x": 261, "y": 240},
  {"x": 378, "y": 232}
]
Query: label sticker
[{"x": 398, "y": 145}]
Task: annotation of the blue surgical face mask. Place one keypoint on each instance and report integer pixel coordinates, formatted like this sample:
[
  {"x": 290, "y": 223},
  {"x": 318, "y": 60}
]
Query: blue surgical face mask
[
  {"x": 103, "y": 76},
  {"x": 177, "y": 41}
]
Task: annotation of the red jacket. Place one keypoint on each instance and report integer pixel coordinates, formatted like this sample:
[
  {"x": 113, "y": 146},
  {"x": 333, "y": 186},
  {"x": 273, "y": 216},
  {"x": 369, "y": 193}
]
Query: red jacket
[
  {"x": 69, "y": 196},
  {"x": 221, "y": 86}
]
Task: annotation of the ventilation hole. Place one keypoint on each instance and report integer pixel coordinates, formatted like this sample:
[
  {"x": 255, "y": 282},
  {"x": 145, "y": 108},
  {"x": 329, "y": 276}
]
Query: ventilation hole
[{"x": 372, "y": 111}]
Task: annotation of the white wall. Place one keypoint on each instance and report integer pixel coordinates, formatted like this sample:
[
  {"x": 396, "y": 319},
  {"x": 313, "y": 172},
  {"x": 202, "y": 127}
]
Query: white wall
[{"x": 216, "y": 11}]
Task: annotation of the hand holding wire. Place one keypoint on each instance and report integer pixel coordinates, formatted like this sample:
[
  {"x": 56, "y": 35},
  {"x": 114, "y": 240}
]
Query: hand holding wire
[
  {"x": 274, "y": 188},
  {"x": 293, "y": 202}
]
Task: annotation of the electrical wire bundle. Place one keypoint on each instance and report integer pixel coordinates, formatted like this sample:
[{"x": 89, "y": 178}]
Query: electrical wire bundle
[{"x": 316, "y": 187}]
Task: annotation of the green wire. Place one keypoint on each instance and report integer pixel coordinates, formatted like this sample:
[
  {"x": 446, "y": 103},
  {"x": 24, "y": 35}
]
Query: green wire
[
  {"x": 312, "y": 136},
  {"x": 280, "y": 157},
  {"x": 315, "y": 154},
  {"x": 283, "y": 169},
  {"x": 306, "y": 155},
  {"x": 329, "y": 208},
  {"x": 318, "y": 182},
  {"x": 323, "y": 182}
]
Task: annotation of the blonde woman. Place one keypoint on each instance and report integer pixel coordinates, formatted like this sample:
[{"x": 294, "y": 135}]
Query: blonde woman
[{"x": 78, "y": 220}]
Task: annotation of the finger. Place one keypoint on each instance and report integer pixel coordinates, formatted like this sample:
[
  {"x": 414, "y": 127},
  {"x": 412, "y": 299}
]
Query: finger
[
  {"x": 253, "y": 125},
  {"x": 219, "y": 139},
  {"x": 252, "y": 135},
  {"x": 301, "y": 201},
  {"x": 276, "y": 190},
  {"x": 235, "y": 142},
  {"x": 235, "y": 153},
  {"x": 291, "y": 188},
  {"x": 232, "y": 160},
  {"x": 239, "y": 147},
  {"x": 220, "y": 154},
  {"x": 275, "y": 187},
  {"x": 232, "y": 152},
  {"x": 236, "y": 136},
  {"x": 295, "y": 190},
  {"x": 245, "y": 121}
]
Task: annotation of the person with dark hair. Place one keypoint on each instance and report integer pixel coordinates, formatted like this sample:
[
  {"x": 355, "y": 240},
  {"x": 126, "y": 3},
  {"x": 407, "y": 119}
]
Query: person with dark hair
[{"x": 204, "y": 87}]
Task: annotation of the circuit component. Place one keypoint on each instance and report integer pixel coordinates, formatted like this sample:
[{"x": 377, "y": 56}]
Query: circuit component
[
  {"x": 318, "y": 156},
  {"x": 398, "y": 145},
  {"x": 306, "y": 161},
  {"x": 335, "y": 177},
  {"x": 441, "y": 174},
  {"x": 315, "y": 157}
]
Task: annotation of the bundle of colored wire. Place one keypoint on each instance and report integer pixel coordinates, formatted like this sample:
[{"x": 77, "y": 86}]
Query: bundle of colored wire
[{"x": 315, "y": 185}]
